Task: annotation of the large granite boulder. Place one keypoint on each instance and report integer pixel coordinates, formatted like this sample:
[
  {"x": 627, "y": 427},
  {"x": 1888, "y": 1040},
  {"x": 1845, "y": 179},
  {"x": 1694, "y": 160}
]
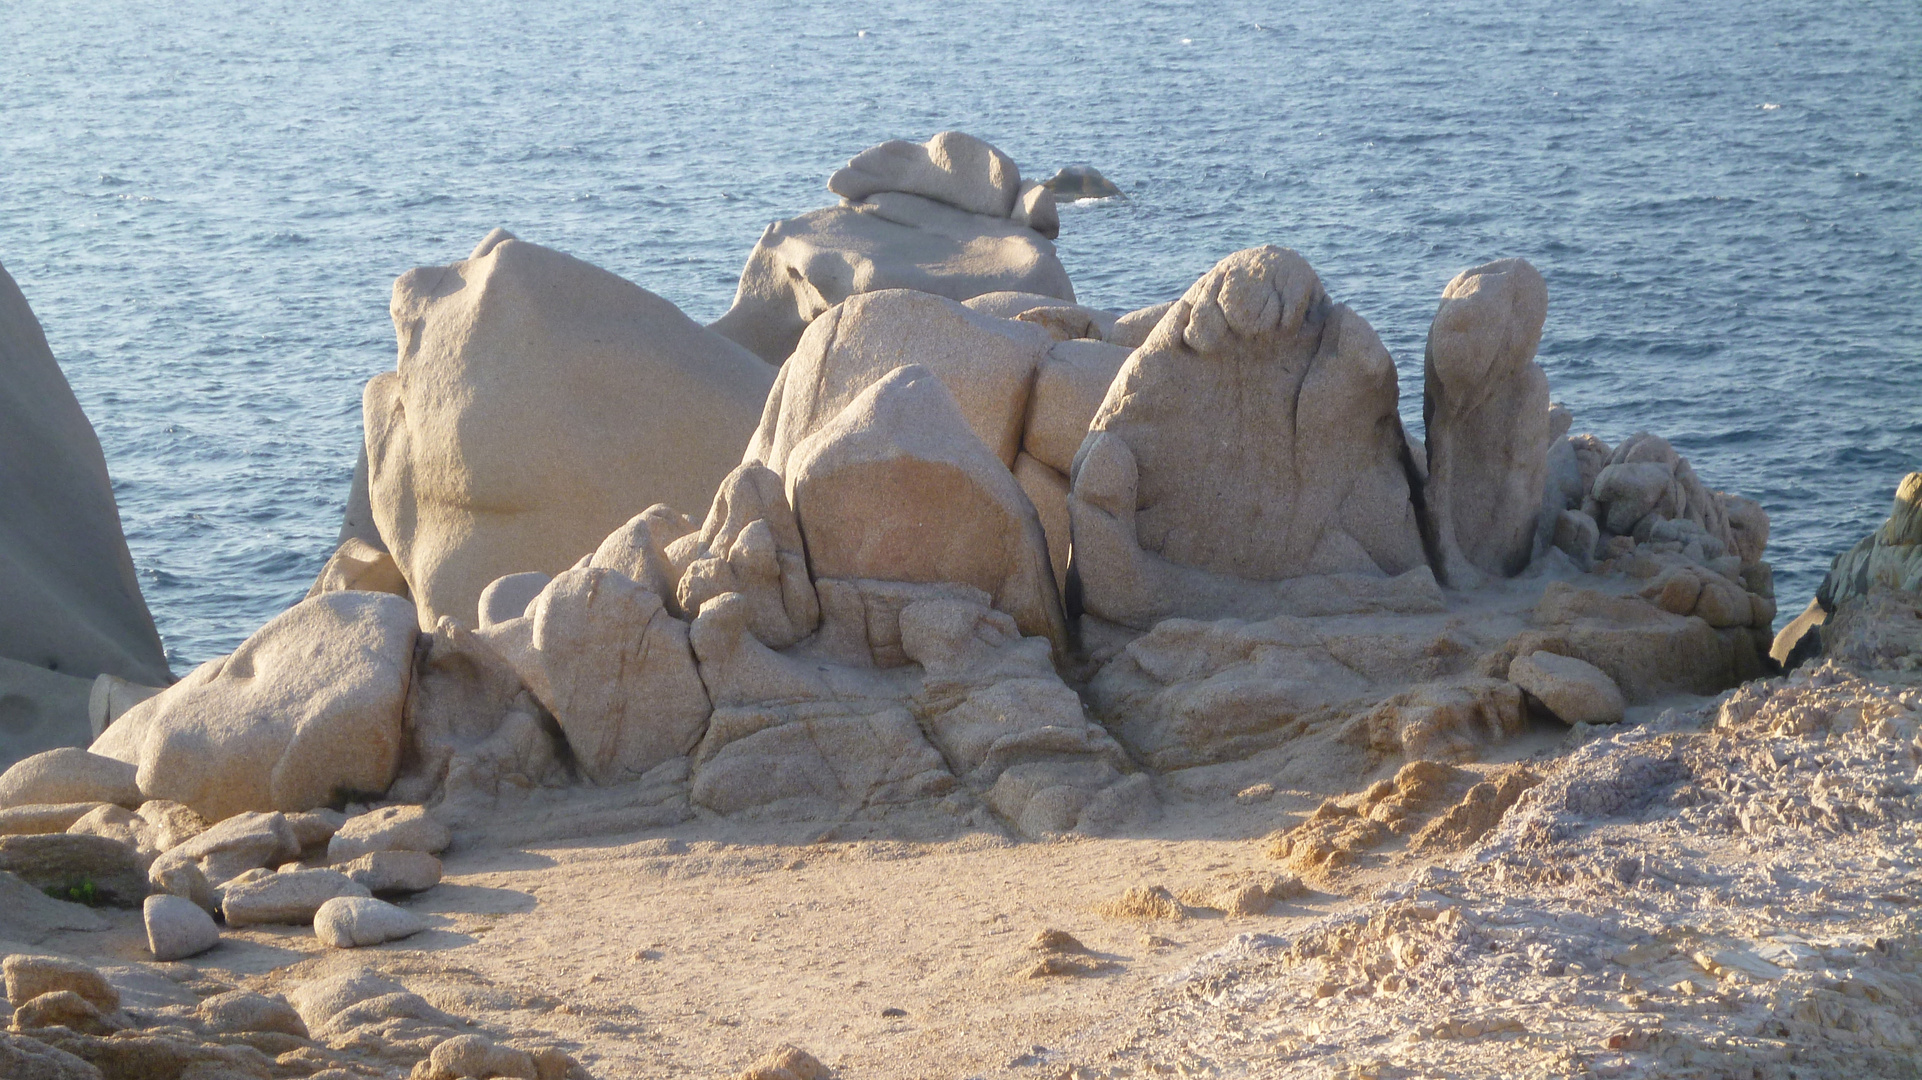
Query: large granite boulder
[
  {"x": 988, "y": 365},
  {"x": 897, "y": 487},
  {"x": 540, "y": 402},
  {"x": 953, "y": 168},
  {"x": 1248, "y": 458},
  {"x": 69, "y": 602},
  {"x": 945, "y": 218},
  {"x": 307, "y": 711},
  {"x": 1485, "y": 407}
]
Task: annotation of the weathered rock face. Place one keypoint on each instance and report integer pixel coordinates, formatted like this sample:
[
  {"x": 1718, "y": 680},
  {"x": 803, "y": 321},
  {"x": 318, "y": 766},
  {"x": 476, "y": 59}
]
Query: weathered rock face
[
  {"x": 358, "y": 564},
  {"x": 1343, "y": 692},
  {"x": 1253, "y": 438},
  {"x": 472, "y": 727},
  {"x": 1486, "y": 413},
  {"x": 1891, "y": 556},
  {"x": 613, "y": 667},
  {"x": 945, "y": 218},
  {"x": 988, "y": 365},
  {"x": 307, "y": 709},
  {"x": 539, "y": 402},
  {"x": 751, "y": 545},
  {"x": 1069, "y": 388},
  {"x": 844, "y": 725},
  {"x": 67, "y": 586},
  {"x": 898, "y": 488}
]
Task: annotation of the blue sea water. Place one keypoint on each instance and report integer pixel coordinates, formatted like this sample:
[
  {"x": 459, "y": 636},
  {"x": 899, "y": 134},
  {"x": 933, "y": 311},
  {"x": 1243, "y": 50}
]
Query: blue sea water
[{"x": 206, "y": 205}]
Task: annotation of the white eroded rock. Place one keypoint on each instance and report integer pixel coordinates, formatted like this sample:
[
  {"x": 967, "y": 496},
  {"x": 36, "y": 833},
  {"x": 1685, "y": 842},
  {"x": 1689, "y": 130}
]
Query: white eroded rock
[
  {"x": 1486, "y": 412},
  {"x": 604, "y": 656},
  {"x": 751, "y": 545},
  {"x": 358, "y": 564},
  {"x": 391, "y": 828},
  {"x": 639, "y": 548},
  {"x": 178, "y": 928},
  {"x": 538, "y": 402},
  {"x": 306, "y": 710},
  {"x": 988, "y": 365},
  {"x": 69, "y": 775},
  {"x": 900, "y": 235},
  {"x": 1252, "y": 439},
  {"x": 289, "y": 896},
  {"x": 507, "y": 597},
  {"x": 1576, "y": 691},
  {"x": 351, "y": 922},
  {"x": 954, "y": 168},
  {"x": 898, "y": 488},
  {"x": 473, "y": 728}
]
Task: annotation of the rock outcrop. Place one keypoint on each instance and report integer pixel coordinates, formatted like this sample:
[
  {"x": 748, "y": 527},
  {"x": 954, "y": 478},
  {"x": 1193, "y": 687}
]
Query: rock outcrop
[
  {"x": 70, "y": 605},
  {"x": 898, "y": 488},
  {"x": 307, "y": 710},
  {"x": 538, "y": 403},
  {"x": 909, "y": 692},
  {"x": 1877, "y": 578},
  {"x": 1253, "y": 439},
  {"x": 603, "y": 655},
  {"x": 945, "y": 218},
  {"x": 1485, "y": 410},
  {"x": 988, "y": 365},
  {"x": 1890, "y": 557},
  {"x": 751, "y": 545}
]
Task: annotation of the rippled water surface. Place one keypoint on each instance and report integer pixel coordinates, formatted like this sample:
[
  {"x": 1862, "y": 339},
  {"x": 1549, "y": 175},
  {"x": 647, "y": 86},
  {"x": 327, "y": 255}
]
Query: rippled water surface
[{"x": 206, "y": 207}]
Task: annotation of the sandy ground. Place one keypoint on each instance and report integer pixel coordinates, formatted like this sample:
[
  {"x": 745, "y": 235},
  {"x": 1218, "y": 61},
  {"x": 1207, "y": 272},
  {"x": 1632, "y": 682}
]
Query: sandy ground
[{"x": 692, "y": 950}]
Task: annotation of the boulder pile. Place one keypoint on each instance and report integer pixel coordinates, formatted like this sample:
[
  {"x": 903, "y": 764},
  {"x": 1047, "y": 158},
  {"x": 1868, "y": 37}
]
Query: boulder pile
[{"x": 908, "y": 526}]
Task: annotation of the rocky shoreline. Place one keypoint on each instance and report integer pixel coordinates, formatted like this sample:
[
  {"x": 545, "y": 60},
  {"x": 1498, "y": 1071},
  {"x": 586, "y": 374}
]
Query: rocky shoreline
[{"x": 910, "y": 546}]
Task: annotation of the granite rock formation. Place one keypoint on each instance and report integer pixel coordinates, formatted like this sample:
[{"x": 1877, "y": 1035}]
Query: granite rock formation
[
  {"x": 539, "y": 402},
  {"x": 944, "y": 218}
]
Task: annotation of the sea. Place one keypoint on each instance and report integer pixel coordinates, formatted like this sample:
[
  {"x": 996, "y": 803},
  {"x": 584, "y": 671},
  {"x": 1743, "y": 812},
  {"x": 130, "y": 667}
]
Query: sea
[{"x": 206, "y": 205}]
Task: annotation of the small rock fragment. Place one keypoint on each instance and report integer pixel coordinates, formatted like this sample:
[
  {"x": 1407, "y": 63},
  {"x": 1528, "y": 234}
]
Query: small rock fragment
[
  {"x": 240, "y": 843},
  {"x": 315, "y": 827},
  {"x": 1145, "y": 902},
  {"x": 474, "y": 1055},
  {"x": 62, "y": 1008},
  {"x": 786, "y": 1060},
  {"x": 85, "y": 869},
  {"x": 177, "y": 928},
  {"x": 350, "y": 922},
  {"x": 1056, "y": 941},
  {"x": 391, "y": 828},
  {"x": 289, "y": 897},
  {"x": 28, "y": 977},
  {"x": 240, "y": 1011},
  {"x": 68, "y": 775},
  {"x": 1576, "y": 691},
  {"x": 386, "y": 872}
]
